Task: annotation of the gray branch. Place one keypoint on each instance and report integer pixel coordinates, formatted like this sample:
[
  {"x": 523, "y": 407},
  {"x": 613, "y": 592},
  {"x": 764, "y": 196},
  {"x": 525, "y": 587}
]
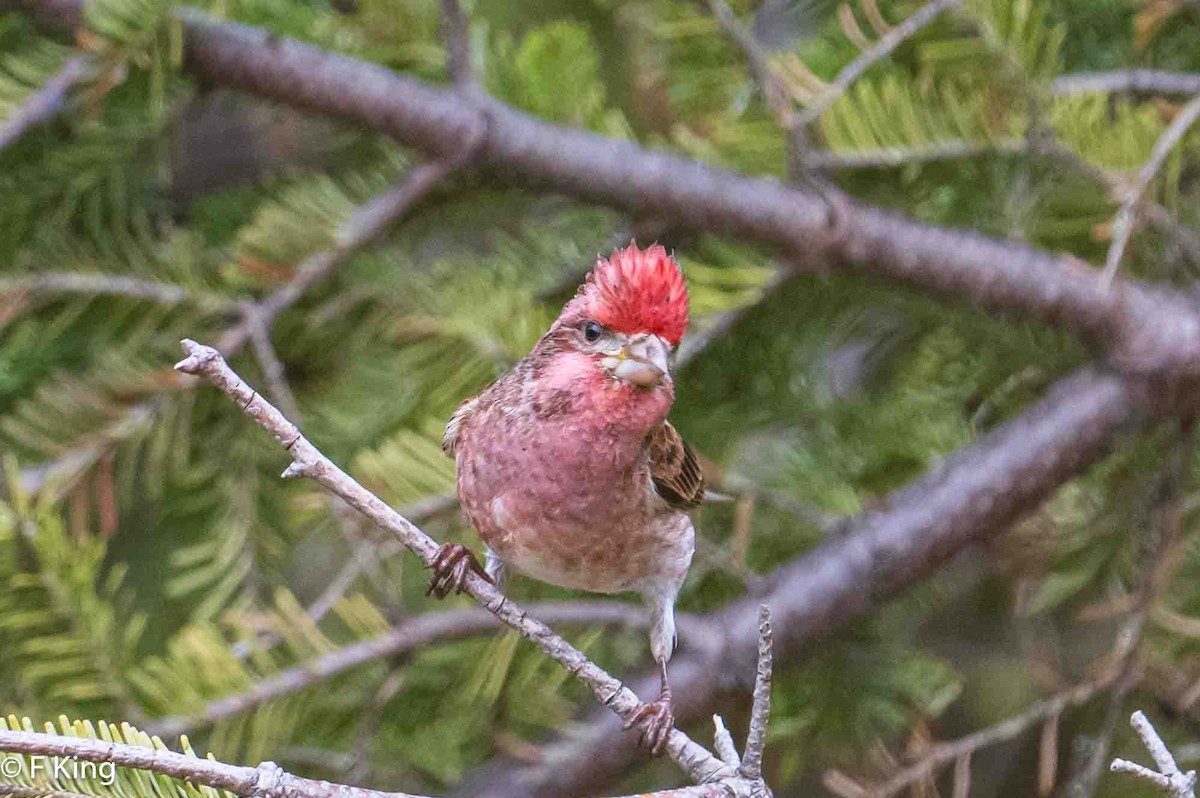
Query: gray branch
[
  {"x": 1142, "y": 329},
  {"x": 760, "y": 713}
]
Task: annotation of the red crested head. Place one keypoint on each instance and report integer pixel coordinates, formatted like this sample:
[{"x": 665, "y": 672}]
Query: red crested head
[{"x": 634, "y": 291}]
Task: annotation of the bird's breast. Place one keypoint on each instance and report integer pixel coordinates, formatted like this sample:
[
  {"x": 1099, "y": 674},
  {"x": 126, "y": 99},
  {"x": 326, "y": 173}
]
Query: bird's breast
[{"x": 569, "y": 502}]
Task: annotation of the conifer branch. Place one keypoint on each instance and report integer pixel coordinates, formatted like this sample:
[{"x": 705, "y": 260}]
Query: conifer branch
[
  {"x": 1143, "y": 330},
  {"x": 774, "y": 91},
  {"x": 307, "y": 461}
]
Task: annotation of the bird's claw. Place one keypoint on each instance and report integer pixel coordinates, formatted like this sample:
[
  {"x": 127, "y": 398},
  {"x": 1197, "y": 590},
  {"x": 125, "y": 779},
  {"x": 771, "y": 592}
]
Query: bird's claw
[
  {"x": 656, "y": 720},
  {"x": 450, "y": 567}
]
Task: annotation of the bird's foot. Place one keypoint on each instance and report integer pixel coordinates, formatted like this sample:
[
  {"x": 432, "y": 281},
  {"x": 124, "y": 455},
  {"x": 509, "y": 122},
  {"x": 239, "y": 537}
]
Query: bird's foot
[
  {"x": 450, "y": 568},
  {"x": 655, "y": 720}
]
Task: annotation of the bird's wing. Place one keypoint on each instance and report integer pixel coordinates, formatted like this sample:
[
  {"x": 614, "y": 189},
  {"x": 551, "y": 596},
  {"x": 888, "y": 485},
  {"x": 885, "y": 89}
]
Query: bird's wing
[
  {"x": 674, "y": 468},
  {"x": 455, "y": 424}
]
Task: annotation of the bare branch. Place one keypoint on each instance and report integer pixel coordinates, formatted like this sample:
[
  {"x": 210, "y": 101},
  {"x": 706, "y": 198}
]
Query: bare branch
[
  {"x": 43, "y": 104},
  {"x": 723, "y": 743},
  {"x": 266, "y": 781},
  {"x": 760, "y": 713},
  {"x": 307, "y": 461},
  {"x": 1123, "y": 225},
  {"x": 273, "y": 371},
  {"x": 887, "y": 43},
  {"x": 1139, "y": 81},
  {"x": 1169, "y": 778}
]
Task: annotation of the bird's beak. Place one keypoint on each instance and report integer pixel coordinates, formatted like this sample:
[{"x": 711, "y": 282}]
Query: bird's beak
[{"x": 643, "y": 361}]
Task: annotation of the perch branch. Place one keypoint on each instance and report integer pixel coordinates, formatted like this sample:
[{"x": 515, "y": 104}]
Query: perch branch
[{"x": 307, "y": 461}]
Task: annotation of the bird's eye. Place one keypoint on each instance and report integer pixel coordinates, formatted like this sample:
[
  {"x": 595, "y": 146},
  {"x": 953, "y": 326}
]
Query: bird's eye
[{"x": 592, "y": 331}]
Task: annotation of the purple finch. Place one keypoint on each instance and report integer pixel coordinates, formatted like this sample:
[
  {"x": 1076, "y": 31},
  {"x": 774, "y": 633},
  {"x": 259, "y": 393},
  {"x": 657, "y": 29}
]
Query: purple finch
[{"x": 567, "y": 465}]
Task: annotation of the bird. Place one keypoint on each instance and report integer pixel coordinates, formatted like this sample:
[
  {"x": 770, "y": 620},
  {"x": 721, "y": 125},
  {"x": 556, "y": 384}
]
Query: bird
[{"x": 568, "y": 468}]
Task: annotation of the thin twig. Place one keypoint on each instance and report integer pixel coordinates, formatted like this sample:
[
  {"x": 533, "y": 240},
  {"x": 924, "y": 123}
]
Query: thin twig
[
  {"x": 1138, "y": 81},
  {"x": 44, "y": 103},
  {"x": 268, "y": 360},
  {"x": 942, "y": 754},
  {"x": 887, "y": 43},
  {"x": 769, "y": 83},
  {"x": 48, "y": 284},
  {"x": 456, "y": 30},
  {"x": 1169, "y": 778},
  {"x": 892, "y": 157},
  {"x": 307, "y": 461},
  {"x": 363, "y": 228},
  {"x": 1123, "y": 224},
  {"x": 760, "y": 712}
]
